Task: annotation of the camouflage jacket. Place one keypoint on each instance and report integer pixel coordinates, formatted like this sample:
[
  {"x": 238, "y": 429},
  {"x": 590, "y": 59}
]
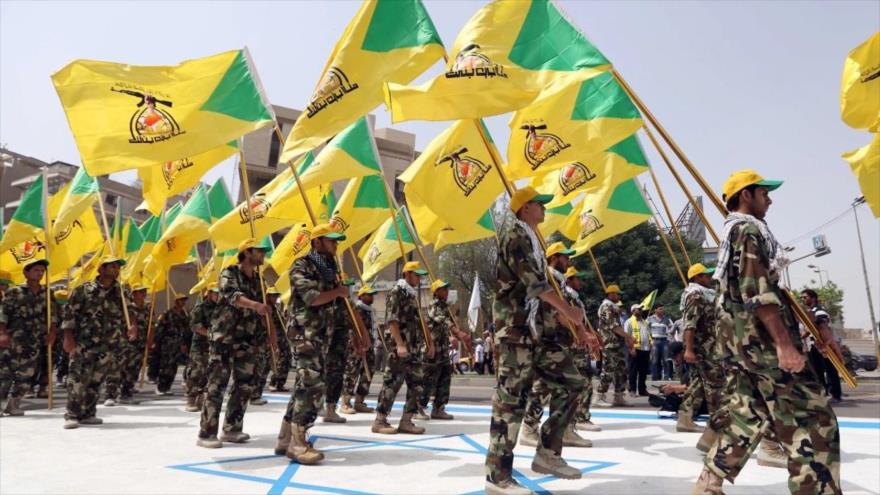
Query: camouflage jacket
[
  {"x": 699, "y": 315},
  {"x": 141, "y": 316},
  {"x": 231, "y": 323},
  {"x": 609, "y": 319},
  {"x": 572, "y": 297},
  {"x": 440, "y": 324},
  {"x": 404, "y": 309},
  {"x": 308, "y": 327},
  {"x": 94, "y": 314},
  {"x": 748, "y": 284},
  {"x": 553, "y": 330},
  {"x": 24, "y": 314},
  {"x": 520, "y": 277},
  {"x": 366, "y": 313},
  {"x": 202, "y": 315},
  {"x": 172, "y": 329}
]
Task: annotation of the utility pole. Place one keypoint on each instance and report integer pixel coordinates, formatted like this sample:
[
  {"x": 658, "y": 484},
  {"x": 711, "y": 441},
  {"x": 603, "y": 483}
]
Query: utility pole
[{"x": 874, "y": 330}]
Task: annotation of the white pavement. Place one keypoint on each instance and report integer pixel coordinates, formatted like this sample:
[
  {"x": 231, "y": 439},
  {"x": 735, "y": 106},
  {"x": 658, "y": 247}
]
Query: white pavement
[{"x": 150, "y": 448}]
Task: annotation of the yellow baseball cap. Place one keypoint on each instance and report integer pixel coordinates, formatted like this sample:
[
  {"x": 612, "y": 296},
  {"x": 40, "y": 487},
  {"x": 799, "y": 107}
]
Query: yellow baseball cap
[
  {"x": 612, "y": 289},
  {"x": 414, "y": 266},
  {"x": 138, "y": 287},
  {"x": 212, "y": 287},
  {"x": 697, "y": 269},
  {"x": 437, "y": 285},
  {"x": 5, "y": 277},
  {"x": 181, "y": 295},
  {"x": 60, "y": 294},
  {"x": 526, "y": 194},
  {"x": 558, "y": 248},
  {"x": 742, "y": 179},
  {"x": 366, "y": 289},
  {"x": 106, "y": 260},
  {"x": 250, "y": 243},
  {"x": 325, "y": 230},
  {"x": 573, "y": 272}
]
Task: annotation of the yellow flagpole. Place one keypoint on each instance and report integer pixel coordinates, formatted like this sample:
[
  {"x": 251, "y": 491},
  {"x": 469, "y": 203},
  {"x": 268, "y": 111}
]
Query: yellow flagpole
[
  {"x": 47, "y": 231},
  {"x": 149, "y": 335},
  {"x": 113, "y": 253},
  {"x": 596, "y": 267},
  {"x": 669, "y": 216}
]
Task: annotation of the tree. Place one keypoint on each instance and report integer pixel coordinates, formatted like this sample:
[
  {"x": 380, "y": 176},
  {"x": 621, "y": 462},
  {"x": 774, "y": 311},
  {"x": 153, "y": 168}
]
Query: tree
[{"x": 831, "y": 297}]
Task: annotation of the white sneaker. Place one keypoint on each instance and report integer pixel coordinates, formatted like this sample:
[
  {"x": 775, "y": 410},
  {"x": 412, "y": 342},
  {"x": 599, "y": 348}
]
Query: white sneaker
[{"x": 110, "y": 402}]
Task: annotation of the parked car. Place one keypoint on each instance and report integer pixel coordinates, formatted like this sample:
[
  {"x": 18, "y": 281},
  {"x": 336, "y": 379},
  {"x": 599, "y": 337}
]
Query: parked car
[{"x": 867, "y": 362}]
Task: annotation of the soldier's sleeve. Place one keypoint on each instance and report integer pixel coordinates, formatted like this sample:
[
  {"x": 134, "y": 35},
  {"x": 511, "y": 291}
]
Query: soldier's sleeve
[
  {"x": 691, "y": 314},
  {"x": 394, "y": 305},
  {"x": 5, "y": 309},
  {"x": 605, "y": 314},
  {"x": 74, "y": 306},
  {"x": 527, "y": 269},
  {"x": 56, "y": 312},
  {"x": 230, "y": 289},
  {"x": 305, "y": 286},
  {"x": 754, "y": 270},
  {"x": 197, "y": 316}
]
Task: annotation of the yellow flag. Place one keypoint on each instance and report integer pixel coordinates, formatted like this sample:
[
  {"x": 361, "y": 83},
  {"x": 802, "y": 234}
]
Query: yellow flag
[
  {"x": 125, "y": 116},
  {"x": 502, "y": 58},
  {"x": 283, "y": 286},
  {"x": 361, "y": 209},
  {"x": 554, "y": 218},
  {"x": 385, "y": 41},
  {"x": 431, "y": 229},
  {"x": 295, "y": 244},
  {"x": 865, "y": 164},
  {"x": 484, "y": 228},
  {"x": 383, "y": 247},
  {"x": 860, "y": 86}
]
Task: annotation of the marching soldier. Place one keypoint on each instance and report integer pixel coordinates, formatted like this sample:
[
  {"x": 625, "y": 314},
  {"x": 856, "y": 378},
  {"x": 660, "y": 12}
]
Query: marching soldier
[
  {"x": 133, "y": 353},
  {"x": 264, "y": 361},
  {"x": 22, "y": 331},
  {"x": 356, "y": 381},
  {"x": 172, "y": 330},
  {"x": 237, "y": 336},
  {"x": 616, "y": 342},
  {"x": 556, "y": 340},
  {"x": 438, "y": 371},
  {"x": 314, "y": 281},
  {"x": 341, "y": 338},
  {"x": 523, "y": 285},
  {"x": 201, "y": 317},
  {"x": 405, "y": 360},
  {"x": 61, "y": 358},
  {"x": 574, "y": 280},
  {"x": 278, "y": 379},
  {"x": 94, "y": 317},
  {"x": 769, "y": 384}
]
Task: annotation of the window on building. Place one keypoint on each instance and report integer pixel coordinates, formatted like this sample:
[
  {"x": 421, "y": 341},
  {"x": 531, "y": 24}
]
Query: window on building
[{"x": 274, "y": 150}]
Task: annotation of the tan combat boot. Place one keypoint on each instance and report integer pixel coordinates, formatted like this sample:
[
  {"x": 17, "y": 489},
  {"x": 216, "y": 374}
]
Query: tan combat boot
[
  {"x": 620, "y": 401},
  {"x": 588, "y": 425},
  {"x": 770, "y": 454},
  {"x": 506, "y": 487},
  {"x": 686, "y": 424},
  {"x": 529, "y": 436},
  {"x": 360, "y": 407},
  {"x": 407, "y": 426},
  {"x": 707, "y": 439},
  {"x": 440, "y": 413},
  {"x": 13, "y": 407},
  {"x": 548, "y": 462},
  {"x": 381, "y": 425},
  {"x": 330, "y": 415},
  {"x": 600, "y": 400},
  {"x": 191, "y": 405},
  {"x": 346, "y": 408},
  {"x": 283, "y": 440},
  {"x": 421, "y": 415},
  {"x": 708, "y": 483},
  {"x": 572, "y": 439},
  {"x": 209, "y": 443},
  {"x": 235, "y": 437},
  {"x": 301, "y": 451}
]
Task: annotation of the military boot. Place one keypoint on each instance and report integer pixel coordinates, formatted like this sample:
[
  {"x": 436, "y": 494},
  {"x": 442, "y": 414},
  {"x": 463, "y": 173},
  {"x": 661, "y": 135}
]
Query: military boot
[
  {"x": 346, "y": 408},
  {"x": 13, "y": 407},
  {"x": 259, "y": 401},
  {"x": 360, "y": 407},
  {"x": 572, "y": 439},
  {"x": 421, "y": 415},
  {"x": 235, "y": 437},
  {"x": 620, "y": 400},
  {"x": 283, "y": 440},
  {"x": 301, "y": 451},
  {"x": 209, "y": 443},
  {"x": 600, "y": 400},
  {"x": 588, "y": 425},
  {"x": 706, "y": 440},
  {"x": 548, "y": 462},
  {"x": 71, "y": 424},
  {"x": 440, "y": 413},
  {"x": 708, "y": 483},
  {"x": 529, "y": 436},
  {"x": 506, "y": 487},
  {"x": 91, "y": 420},
  {"x": 407, "y": 426},
  {"x": 770, "y": 454},
  {"x": 330, "y": 415},
  {"x": 191, "y": 404},
  {"x": 686, "y": 424},
  {"x": 381, "y": 425},
  {"x": 42, "y": 393}
]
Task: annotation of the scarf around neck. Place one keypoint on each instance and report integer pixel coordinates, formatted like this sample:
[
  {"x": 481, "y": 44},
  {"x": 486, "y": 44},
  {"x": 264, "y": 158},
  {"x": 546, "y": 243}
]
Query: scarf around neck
[
  {"x": 326, "y": 266},
  {"x": 777, "y": 260}
]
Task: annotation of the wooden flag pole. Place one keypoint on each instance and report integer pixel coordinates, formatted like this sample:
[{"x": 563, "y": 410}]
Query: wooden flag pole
[
  {"x": 47, "y": 231},
  {"x": 149, "y": 336},
  {"x": 113, "y": 253},
  {"x": 270, "y": 326},
  {"x": 658, "y": 223},
  {"x": 355, "y": 319},
  {"x": 596, "y": 267},
  {"x": 672, "y": 225}
]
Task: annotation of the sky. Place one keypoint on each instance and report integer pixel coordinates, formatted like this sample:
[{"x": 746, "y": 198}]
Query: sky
[{"x": 736, "y": 84}]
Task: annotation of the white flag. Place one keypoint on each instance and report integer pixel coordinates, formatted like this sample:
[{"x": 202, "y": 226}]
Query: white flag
[{"x": 474, "y": 306}]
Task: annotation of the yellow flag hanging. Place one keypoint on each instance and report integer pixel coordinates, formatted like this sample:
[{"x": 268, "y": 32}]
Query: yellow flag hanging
[
  {"x": 125, "y": 116},
  {"x": 860, "y": 86},
  {"x": 295, "y": 244},
  {"x": 362, "y": 208},
  {"x": 865, "y": 164},
  {"x": 383, "y": 247}
]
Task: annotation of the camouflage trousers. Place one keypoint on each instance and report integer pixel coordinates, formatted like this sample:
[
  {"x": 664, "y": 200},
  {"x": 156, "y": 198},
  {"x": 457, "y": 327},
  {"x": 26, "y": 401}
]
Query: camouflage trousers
[
  {"x": 133, "y": 359},
  {"x": 40, "y": 378},
  {"x": 438, "y": 381},
  {"x": 113, "y": 376},
  {"x": 88, "y": 369},
  {"x": 62, "y": 362},
  {"x": 397, "y": 371},
  {"x": 261, "y": 373},
  {"x": 236, "y": 359},
  {"x": 706, "y": 384},
  {"x": 308, "y": 384},
  {"x": 334, "y": 363},
  {"x": 356, "y": 382},
  {"x": 279, "y": 376},
  {"x": 518, "y": 367},
  {"x": 795, "y": 408},
  {"x": 18, "y": 363},
  {"x": 196, "y": 372},
  {"x": 585, "y": 367},
  {"x": 168, "y": 360},
  {"x": 613, "y": 369}
]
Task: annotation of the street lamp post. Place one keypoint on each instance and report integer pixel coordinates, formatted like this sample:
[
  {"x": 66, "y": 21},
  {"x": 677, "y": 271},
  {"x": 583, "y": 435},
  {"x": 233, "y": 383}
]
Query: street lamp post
[{"x": 874, "y": 330}]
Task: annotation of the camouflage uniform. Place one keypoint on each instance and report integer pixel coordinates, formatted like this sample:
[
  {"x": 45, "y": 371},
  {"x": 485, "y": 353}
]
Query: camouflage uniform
[
  {"x": 356, "y": 382},
  {"x": 791, "y": 404},
  {"x": 404, "y": 309},
  {"x": 196, "y": 373},
  {"x": 613, "y": 350},
  {"x": 134, "y": 351},
  {"x": 438, "y": 371},
  {"x": 560, "y": 383},
  {"x": 279, "y": 376},
  {"x": 337, "y": 352},
  {"x": 24, "y": 315},
  {"x": 521, "y": 279},
  {"x": 707, "y": 375},
  {"x": 308, "y": 330},
  {"x": 264, "y": 361},
  {"x": 172, "y": 330},
  {"x": 94, "y": 314},
  {"x": 237, "y": 337}
]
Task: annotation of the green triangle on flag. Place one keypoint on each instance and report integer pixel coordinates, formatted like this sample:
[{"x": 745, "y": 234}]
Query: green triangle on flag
[
  {"x": 31, "y": 209},
  {"x": 627, "y": 197},
  {"x": 134, "y": 239},
  {"x": 83, "y": 183},
  {"x": 402, "y": 224},
  {"x": 197, "y": 205},
  {"x": 151, "y": 229},
  {"x": 219, "y": 200},
  {"x": 238, "y": 94},
  {"x": 357, "y": 141},
  {"x": 486, "y": 220},
  {"x": 631, "y": 151},
  {"x": 602, "y": 96},
  {"x": 399, "y": 24},
  {"x": 371, "y": 193}
]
